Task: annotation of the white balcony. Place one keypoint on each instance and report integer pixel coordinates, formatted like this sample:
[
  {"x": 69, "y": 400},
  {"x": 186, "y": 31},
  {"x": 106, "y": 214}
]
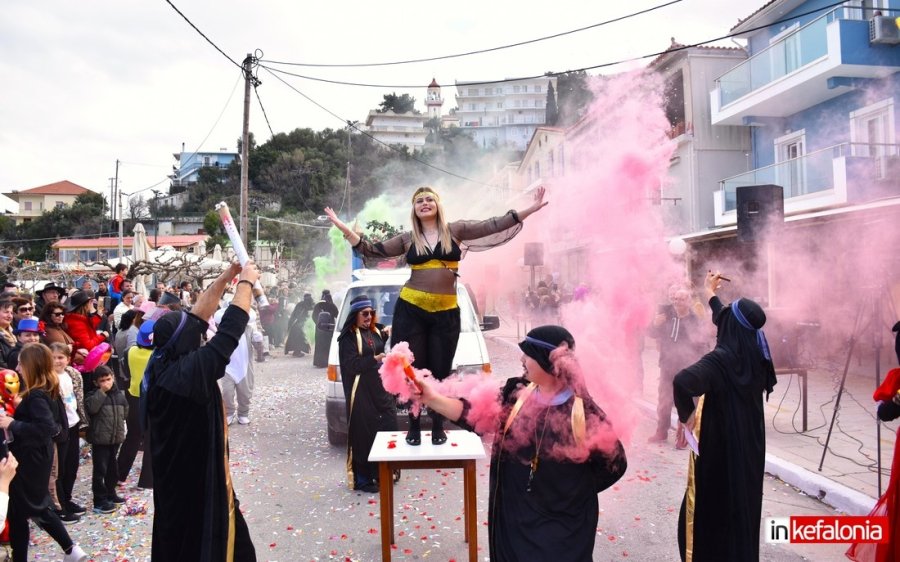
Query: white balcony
[
  {"x": 821, "y": 60},
  {"x": 831, "y": 177}
]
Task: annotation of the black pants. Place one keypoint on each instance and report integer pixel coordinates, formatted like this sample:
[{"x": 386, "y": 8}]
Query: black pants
[
  {"x": 103, "y": 482},
  {"x": 432, "y": 336},
  {"x": 19, "y": 531},
  {"x": 132, "y": 439},
  {"x": 68, "y": 466}
]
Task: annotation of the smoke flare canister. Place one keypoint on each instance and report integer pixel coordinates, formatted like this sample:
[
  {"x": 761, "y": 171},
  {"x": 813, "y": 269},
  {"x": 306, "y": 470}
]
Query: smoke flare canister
[{"x": 239, "y": 249}]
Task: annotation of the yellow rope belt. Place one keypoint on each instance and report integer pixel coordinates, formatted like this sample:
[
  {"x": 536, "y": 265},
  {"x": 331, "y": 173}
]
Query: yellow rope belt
[
  {"x": 432, "y": 302},
  {"x": 436, "y": 264}
]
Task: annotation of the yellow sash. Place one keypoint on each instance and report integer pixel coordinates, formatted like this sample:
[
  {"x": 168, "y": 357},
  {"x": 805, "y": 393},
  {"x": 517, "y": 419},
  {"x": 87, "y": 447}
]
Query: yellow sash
[
  {"x": 690, "y": 496},
  {"x": 436, "y": 264},
  {"x": 577, "y": 418},
  {"x": 432, "y": 302}
]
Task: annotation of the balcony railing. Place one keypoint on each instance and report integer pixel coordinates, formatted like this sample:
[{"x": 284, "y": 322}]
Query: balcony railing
[
  {"x": 793, "y": 52},
  {"x": 810, "y": 173}
]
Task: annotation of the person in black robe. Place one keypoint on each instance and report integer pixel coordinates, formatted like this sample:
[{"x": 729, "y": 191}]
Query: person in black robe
[
  {"x": 296, "y": 340},
  {"x": 720, "y": 513},
  {"x": 553, "y": 452},
  {"x": 370, "y": 408},
  {"x": 325, "y": 305},
  {"x": 196, "y": 512}
]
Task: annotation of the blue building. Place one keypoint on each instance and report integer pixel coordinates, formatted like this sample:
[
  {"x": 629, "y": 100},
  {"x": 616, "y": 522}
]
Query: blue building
[
  {"x": 818, "y": 94},
  {"x": 189, "y": 163}
]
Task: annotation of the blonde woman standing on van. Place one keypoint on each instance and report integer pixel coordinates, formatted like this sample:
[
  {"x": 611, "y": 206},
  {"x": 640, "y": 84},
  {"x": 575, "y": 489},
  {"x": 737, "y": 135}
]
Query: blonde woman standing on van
[{"x": 426, "y": 315}]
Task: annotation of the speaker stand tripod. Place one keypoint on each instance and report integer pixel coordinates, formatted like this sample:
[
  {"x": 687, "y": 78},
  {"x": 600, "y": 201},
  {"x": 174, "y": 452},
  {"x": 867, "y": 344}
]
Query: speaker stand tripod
[{"x": 872, "y": 306}]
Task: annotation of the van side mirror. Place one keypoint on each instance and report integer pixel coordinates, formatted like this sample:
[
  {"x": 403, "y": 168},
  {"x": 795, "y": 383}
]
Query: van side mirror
[{"x": 490, "y": 323}]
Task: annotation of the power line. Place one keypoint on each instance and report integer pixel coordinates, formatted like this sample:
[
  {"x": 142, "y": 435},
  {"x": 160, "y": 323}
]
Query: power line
[
  {"x": 101, "y": 235},
  {"x": 208, "y": 40},
  {"x": 211, "y": 129},
  {"x": 255, "y": 91},
  {"x": 583, "y": 69},
  {"x": 481, "y": 51},
  {"x": 391, "y": 147}
]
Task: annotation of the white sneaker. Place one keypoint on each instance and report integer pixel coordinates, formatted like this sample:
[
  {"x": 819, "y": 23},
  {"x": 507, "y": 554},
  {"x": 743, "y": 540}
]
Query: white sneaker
[
  {"x": 243, "y": 420},
  {"x": 232, "y": 419},
  {"x": 77, "y": 555}
]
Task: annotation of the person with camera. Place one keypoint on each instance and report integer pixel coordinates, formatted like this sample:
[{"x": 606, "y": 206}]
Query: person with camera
[{"x": 681, "y": 339}]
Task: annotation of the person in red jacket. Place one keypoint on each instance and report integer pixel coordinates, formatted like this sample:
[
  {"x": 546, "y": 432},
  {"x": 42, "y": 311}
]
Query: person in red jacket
[{"x": 82, "y": 322}]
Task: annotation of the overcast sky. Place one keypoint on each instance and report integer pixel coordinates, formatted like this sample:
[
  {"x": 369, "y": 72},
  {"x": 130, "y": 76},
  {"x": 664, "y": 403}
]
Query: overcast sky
[{"x": 87, "y": 83}]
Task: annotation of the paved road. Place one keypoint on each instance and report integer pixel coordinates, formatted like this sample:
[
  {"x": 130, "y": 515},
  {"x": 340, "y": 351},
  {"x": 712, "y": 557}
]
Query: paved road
[{"x": 291, "y": 484}]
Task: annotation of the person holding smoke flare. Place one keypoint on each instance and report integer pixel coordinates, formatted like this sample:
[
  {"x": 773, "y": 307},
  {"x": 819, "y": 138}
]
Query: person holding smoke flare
[
  {"x": 888, "y": 505},
  {"x": 553, "y": 452},
  {"x": 720, "y": 513},
  {"x": 426, "y": 315}
]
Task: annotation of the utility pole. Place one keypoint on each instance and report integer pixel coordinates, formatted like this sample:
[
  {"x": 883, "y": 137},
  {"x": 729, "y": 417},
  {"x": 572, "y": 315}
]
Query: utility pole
[
  {"x": 249, "y": 80},
  {"x": 156, "y": 215},
  {"x": 112, "y": 197},
  {"x": 121, "y": 233},
  {"x": 350, "y": 125},
  {"x": 112, "y": 203}
]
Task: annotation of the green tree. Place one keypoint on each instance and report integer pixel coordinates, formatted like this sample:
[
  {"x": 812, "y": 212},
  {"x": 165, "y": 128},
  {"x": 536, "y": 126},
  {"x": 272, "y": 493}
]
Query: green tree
[
  {"x": 398, "y": 104},
  {"x": 552, "y": 116},
  {"x": 573, "y": 96},
  {"x": 212, "y": 226}
]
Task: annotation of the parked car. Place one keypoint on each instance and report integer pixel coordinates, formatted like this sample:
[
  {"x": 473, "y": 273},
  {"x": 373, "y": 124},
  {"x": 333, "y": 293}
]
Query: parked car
[{"x": 383, "y": 288}]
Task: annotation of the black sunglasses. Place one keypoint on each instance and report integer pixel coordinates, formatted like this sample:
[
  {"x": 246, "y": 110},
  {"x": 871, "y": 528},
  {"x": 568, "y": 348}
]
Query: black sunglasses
[
  {"x": 367, "y": 313},
  {"x": 57, "y": 313}
]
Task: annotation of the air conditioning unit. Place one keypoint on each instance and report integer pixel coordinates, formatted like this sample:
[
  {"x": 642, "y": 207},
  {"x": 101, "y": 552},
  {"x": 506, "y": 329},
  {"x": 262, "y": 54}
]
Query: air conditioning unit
[{"x": 883, "y": 30}]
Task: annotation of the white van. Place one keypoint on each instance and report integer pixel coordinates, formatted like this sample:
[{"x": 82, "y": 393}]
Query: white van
[{"x": 383, "y": 288}]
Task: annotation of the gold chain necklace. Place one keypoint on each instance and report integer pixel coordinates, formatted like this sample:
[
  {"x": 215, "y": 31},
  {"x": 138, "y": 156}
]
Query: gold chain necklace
[{"x": 537, "y": 449}]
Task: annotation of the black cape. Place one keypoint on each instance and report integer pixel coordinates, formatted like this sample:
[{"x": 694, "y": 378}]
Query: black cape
[
  {"x": 296, "y": 337},
  {"x": 373, "y": 408},
  {"x": 190, "y": 454},
  {"x": 32, "y": 429},
  {"x": 727, "y": 484},
  {"x": 557, "y": 520}
]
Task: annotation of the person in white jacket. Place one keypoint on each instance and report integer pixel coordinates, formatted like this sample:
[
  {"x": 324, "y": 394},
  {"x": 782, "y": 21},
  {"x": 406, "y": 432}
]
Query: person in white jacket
[{"x": 237, "y": 384}]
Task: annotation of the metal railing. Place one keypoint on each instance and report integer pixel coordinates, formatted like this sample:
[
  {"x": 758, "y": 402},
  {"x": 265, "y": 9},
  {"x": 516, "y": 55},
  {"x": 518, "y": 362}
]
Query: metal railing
[
  {"x": 810, "y": 173},
  {"x": 793, "y": 52}
]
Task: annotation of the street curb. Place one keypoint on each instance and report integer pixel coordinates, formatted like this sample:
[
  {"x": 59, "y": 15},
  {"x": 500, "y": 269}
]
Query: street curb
[{"x": 829, "y": 492}]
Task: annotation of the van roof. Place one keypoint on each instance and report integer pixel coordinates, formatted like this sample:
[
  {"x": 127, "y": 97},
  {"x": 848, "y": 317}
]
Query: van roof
[{"x": 380, "y": 276}]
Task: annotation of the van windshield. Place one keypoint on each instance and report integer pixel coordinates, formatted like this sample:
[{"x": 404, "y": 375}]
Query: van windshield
[{"x": 384, "y": 297}]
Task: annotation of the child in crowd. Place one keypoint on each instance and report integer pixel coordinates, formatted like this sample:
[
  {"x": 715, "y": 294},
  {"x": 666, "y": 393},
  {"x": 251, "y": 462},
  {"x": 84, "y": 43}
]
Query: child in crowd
[
  {"x": 107, "y": 410},
  {"x": 33, "y": 428},
  {"x": 27, "y": 331},
  {"x": 71, "y": 388}
]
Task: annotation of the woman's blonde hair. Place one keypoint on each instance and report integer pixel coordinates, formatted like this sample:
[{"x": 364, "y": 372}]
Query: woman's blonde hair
[
  {"x": 36, "y": 363},
  {"x": 418, "y": 237}
]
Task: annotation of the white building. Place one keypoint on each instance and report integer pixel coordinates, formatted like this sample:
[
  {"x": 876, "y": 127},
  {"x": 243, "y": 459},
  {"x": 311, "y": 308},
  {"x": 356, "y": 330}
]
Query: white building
[
  {"x": 433, "y": 100},
  {"x": 398, "y": 128},
  {"x": 503, "y": 113}
]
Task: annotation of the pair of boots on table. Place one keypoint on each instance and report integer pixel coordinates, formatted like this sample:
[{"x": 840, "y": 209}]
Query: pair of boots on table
[{"x": 414, "y": 435}]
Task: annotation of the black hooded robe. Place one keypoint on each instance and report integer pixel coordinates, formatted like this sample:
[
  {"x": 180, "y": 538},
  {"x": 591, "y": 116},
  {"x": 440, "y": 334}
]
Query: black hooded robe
[
  {"x": 557, "y": 520},
  {"x": 373, "y": 408},
  {"x": 192, "y": 493},
  {"x": 720, "y": 514}
]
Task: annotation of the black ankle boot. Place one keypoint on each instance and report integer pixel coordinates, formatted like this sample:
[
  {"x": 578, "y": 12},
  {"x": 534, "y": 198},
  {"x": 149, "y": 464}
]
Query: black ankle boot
[
  {"x": 414, "y": 435},
  {"x": 438, "y": 437}
]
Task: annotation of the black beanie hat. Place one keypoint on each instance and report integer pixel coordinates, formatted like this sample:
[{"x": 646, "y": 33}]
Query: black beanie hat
[{"x": 541, "y": 341}]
